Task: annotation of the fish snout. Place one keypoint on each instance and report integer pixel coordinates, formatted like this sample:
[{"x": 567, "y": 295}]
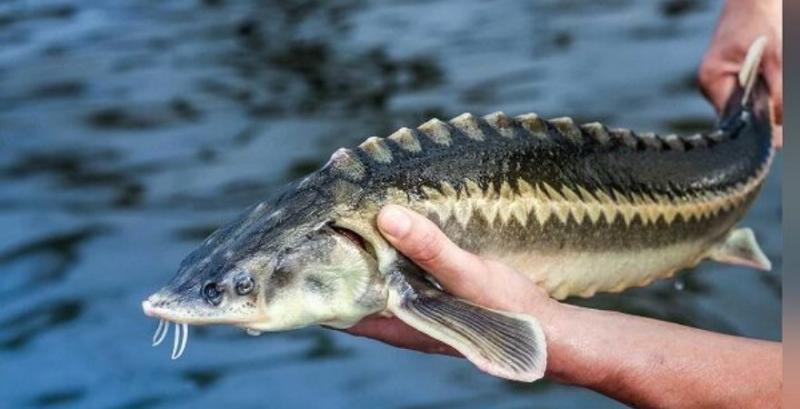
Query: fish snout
[
  {"x": 154, "y": 306},
  {"x": 148, "y": 308}
]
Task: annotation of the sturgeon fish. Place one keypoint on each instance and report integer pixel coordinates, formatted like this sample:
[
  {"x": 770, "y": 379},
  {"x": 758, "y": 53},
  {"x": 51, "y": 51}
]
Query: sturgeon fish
[{"x": 578, "y": 209}]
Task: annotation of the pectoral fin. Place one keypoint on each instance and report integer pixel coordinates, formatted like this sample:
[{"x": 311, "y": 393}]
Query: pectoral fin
[
  {"x": 507, "y": 345},
  {"x": 740, "y": 247}
]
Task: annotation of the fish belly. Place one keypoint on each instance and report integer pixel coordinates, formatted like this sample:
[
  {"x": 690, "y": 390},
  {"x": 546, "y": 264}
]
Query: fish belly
[{"x": 565, "y": 273}]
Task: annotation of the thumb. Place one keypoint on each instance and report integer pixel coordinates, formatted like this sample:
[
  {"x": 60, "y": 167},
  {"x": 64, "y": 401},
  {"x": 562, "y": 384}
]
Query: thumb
[
  {"x": 460, "y": 272},
  {"x": 718, "y": 89}
]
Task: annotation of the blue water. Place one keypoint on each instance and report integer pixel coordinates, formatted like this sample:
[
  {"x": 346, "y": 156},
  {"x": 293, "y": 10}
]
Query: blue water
[{"x": 130, "y": 131}]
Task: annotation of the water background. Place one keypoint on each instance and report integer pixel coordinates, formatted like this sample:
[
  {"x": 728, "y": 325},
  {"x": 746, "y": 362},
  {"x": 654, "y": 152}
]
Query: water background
[{"x": 130, "y": 129}]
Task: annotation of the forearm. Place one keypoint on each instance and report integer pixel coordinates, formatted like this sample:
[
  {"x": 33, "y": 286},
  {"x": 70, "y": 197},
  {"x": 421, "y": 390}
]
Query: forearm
[
  {"x": 641, "y": 361},
  {"x": 649, "y": 363}
]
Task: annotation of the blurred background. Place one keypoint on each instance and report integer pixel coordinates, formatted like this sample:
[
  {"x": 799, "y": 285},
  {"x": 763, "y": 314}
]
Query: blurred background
[{"x": 129, "y": 130}]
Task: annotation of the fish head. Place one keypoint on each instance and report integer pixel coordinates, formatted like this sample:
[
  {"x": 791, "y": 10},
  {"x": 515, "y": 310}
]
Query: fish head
[{"x": 280, "y": 266}]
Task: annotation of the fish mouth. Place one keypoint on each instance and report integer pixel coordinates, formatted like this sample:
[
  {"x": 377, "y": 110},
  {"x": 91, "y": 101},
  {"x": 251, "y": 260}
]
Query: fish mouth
[
  {"x": 167, "y": 316},
  {"x": 156, "y": 309},
  {"x": 163, "y": 306},
  {"x": 181, "y": 328}
]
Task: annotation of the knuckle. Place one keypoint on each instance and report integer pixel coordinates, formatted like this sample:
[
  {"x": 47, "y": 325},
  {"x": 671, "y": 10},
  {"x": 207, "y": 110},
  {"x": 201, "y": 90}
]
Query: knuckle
[{"x": 705, "y": 74}]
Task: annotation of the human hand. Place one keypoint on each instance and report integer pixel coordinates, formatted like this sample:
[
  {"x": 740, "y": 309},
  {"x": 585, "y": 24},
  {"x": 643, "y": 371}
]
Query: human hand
[
  {"x": 741, "y": 22},
  {"x": 636, "y": 360},
  {"x": 484, "y": 282}
]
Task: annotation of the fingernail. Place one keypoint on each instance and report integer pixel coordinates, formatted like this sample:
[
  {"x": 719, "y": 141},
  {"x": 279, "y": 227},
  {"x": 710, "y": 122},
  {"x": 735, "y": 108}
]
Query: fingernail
[{"x": 394, "y": 221}]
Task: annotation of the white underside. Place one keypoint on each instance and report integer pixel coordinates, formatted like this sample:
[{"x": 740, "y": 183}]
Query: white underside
[{"x": 570, "y": 273}]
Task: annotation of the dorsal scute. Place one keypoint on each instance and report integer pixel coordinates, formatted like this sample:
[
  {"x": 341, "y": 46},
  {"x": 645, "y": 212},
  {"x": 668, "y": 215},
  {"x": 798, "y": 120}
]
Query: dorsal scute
[
  {"x": 406, "y": 140},
  {"x": 534, "y": 124},
  {"x": 695, "y": 141},
  {"x": 377, "y": 149},
  {"x": 477, "y": 128},
  {"x": 344, "y": 162},
  {"x": 501, "y": 123},
  {"x": 566, "y": 126},
  {"x": 437, "y": 131},
  {"x": 626, "y": 136},
  {"x": 651, "y": 140},
  {"x": 598, "y": 132},
  {"x": 674, "y": 142},
  {"x": 468, "y": 125},
  {"x": 717, "y": 135}
]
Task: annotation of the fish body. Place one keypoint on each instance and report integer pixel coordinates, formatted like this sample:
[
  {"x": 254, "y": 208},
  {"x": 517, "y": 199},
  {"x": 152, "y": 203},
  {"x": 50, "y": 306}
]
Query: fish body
[{"x": 578, "y": 208}]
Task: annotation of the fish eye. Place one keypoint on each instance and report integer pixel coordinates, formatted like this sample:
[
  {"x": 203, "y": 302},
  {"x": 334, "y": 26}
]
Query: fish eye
[
  {"x": 245, "y": 285},
  {"x": 212, "y": 293}
]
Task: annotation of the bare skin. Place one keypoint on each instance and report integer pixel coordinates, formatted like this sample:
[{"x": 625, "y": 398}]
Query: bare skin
[{"x": 639, "y": 361}]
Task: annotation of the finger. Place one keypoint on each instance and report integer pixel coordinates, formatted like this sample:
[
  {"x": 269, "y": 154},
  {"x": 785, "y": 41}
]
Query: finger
[
  {"x": 773, "y": 72},
  {"x": 397, "y": 333},
  {"x": 777, "y": 136},
  {"x": 460, "y": 272},
  {"x": 716, "y": 79},
  {"x": 717, "y": 88}
]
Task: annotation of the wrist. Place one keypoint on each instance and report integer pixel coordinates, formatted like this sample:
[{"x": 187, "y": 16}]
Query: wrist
[
  {"x": 578, "y": 344},
  {"x": 562, "y": 363}
]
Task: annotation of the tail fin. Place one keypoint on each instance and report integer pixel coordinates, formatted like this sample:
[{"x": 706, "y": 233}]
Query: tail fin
[
  {"x": 749, "y": 72},
  {"x": 751, "y": 93}
]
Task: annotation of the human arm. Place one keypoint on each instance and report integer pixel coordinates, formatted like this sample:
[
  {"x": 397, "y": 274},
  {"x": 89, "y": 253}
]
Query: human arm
[
  {"x": 640, "y": 361},
  {"x": 741, "y": 22}
]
